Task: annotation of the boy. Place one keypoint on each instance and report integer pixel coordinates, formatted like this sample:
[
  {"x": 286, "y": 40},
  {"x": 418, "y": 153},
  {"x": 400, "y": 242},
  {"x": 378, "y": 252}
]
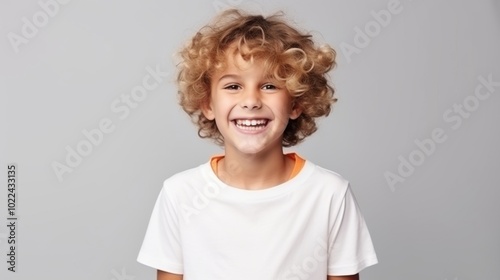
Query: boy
[{"x": 256, "y": 85}]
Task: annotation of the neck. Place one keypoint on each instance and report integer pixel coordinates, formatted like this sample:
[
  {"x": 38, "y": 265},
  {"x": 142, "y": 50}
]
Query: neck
[{"x": 254, "y": 171}]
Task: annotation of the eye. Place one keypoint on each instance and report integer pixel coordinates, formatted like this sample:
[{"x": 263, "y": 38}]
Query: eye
[
  {"x": 269, "y": 87},
  {"x": 232, "y": 87}
]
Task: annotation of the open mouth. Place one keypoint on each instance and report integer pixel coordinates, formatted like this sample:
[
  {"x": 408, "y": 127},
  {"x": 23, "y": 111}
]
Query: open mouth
[{"x": 254, "y": 124}]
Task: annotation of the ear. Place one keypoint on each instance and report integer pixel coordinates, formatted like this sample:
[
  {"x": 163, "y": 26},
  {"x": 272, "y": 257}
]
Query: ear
[
  {"x": 296, "y": 111},
  {"x": 206, "y": 109}
]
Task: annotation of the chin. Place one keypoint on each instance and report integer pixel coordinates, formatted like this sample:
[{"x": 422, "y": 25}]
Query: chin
[{"x": 254, "y": 148}]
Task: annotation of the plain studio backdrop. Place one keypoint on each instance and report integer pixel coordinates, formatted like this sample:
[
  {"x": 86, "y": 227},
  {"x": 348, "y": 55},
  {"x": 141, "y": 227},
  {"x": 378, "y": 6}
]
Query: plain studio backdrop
[{"x": 89, "y": 114}]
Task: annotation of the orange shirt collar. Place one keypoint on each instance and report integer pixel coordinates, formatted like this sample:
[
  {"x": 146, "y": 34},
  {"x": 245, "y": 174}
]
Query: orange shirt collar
[{"x": 299, "y": 163}]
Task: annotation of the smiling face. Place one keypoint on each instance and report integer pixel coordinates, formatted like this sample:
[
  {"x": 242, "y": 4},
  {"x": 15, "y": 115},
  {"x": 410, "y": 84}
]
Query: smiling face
[{"x": 250, "y": 108}]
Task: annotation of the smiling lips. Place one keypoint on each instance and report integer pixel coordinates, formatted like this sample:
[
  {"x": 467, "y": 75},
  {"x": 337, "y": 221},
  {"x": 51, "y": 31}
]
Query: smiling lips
[{"x": 254, "y": 124}]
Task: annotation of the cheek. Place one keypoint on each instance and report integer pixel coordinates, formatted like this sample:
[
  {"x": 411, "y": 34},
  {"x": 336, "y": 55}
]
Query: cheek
[
  {"x": 282, "y": 115},
  {"x": 284, "y": 104},
  {"x": 222, "y": 107}
]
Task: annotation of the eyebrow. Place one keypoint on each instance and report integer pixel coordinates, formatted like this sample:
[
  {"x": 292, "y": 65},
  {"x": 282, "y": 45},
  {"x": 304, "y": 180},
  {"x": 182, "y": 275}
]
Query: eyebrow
[
  {"x": 232, "y": 76},
  {"x": 235, "y": 76}
]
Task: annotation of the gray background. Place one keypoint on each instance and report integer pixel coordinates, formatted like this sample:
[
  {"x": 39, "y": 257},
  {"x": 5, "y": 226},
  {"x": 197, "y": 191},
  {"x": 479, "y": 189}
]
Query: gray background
[{"x": 441, "y": 222}]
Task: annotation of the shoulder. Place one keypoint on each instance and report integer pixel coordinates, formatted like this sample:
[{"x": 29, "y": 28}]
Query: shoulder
[
  {"x": 188, "y": 174},
  {"x": 190, "y": 177},
  {"x": 326, "y": 179},
  {"x": 321, "y": 173}
]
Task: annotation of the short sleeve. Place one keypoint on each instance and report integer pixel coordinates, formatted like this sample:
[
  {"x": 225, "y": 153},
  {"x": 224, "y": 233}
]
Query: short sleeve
[
  {"x": 351, "y": 248},
  {"x": 161, "y": 248}
]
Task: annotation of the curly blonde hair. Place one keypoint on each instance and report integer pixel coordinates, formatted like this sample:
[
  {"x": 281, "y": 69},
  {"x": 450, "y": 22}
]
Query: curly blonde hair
[{"x": 289, "y": 55}]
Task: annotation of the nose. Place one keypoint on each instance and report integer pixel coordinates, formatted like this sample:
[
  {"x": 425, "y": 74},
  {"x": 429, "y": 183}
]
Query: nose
[{"x": 251, "y": 99}]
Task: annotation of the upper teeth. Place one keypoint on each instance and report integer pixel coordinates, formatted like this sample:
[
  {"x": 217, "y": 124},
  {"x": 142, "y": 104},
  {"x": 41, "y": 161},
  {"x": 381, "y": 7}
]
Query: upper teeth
[{"x": 250, "y": 122}]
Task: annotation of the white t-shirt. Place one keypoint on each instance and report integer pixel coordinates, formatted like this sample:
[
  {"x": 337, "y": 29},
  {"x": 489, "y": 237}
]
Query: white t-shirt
[{"x": 305, "y": 228}]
